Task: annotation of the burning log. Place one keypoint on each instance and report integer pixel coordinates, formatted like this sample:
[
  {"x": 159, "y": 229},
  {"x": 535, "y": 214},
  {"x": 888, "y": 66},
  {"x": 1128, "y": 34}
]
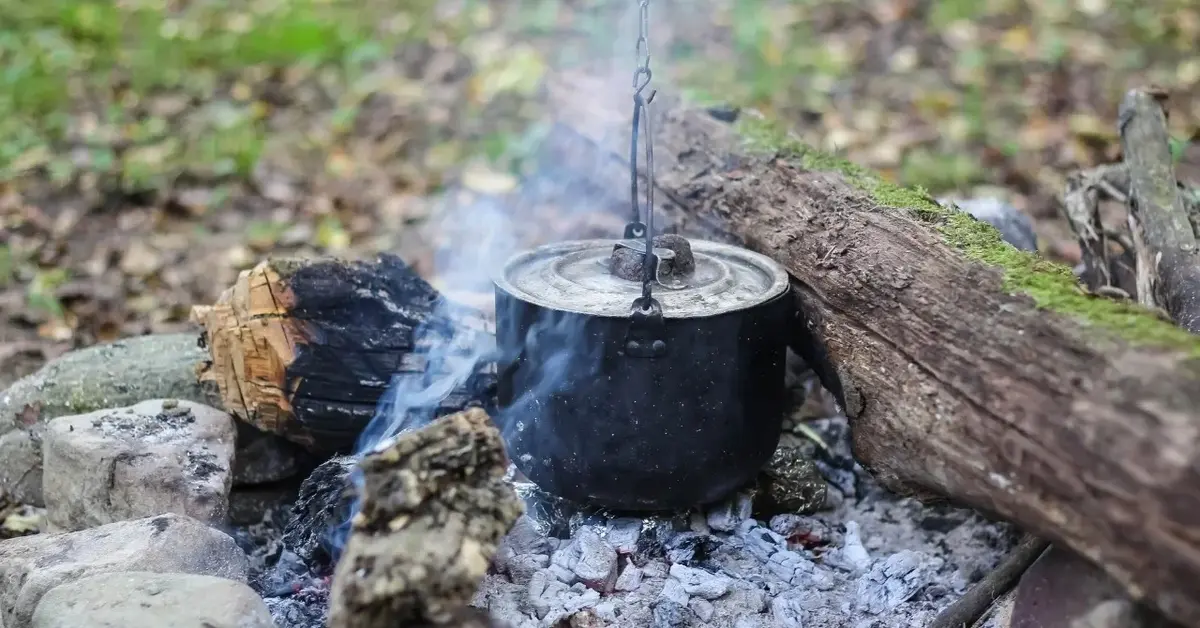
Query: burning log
[
  {"x": 970, "y": 370},
  {"x": 307, "y": 348},
  {"x": 434, "y": 508}
]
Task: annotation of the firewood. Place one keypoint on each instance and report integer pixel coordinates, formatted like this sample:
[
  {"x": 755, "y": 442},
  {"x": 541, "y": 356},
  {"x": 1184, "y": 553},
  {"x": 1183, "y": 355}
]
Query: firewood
[
  {"x": 434, "y": 508},
  {"x": 969, "y": 370},
  {"x": 306, "y": 348}
]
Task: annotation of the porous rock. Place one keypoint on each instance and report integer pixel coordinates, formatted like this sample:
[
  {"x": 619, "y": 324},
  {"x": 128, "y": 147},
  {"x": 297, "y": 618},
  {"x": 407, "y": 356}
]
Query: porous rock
[
  {"x": 434, "y": 508},
  {"x": 155, "y": 457},
  {"x": 30, "y": 566},
  {"x": 120, "y": 373},
  {"x": 141, "y": 599}
]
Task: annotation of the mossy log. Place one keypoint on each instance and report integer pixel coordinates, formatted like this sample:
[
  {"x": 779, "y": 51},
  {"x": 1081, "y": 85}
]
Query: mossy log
[
  {"x": 434, "y": 509},
  {"x": 970, "y": 370},
  {"x": 306, "y": 348}
]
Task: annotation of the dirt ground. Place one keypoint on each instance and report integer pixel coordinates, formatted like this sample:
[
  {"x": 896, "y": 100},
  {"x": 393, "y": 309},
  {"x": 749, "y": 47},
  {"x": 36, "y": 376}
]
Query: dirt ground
[{"x": 149, "y": 150}]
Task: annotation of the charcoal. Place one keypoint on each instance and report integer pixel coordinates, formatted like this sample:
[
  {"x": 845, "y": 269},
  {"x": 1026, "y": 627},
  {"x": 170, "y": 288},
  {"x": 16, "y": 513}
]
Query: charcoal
[
  {"x": 550, "y": 515},
  {"x": 791, "y": 483},
  {"x": 321, "y": 514},
  {"x": 671, "y": 614}
]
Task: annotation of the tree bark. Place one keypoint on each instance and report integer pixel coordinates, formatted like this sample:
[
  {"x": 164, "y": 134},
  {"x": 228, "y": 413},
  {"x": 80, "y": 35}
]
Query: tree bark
[
  {"x": 969, "y": 370},
  {"x": 307, "y": 349}
]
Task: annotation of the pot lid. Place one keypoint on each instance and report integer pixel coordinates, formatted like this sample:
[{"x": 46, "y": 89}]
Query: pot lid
[{"x": 575, "y": 276}]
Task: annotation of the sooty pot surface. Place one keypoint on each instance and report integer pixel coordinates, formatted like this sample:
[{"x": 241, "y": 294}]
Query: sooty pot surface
[{"x": 588, "y": 418}]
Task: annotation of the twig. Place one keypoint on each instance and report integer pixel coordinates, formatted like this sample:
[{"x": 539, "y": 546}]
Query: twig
[
  {"x": 1168, "y": 258},
  {"x": 972, "y": 605},
  {"x": 1081, "y": 205}
]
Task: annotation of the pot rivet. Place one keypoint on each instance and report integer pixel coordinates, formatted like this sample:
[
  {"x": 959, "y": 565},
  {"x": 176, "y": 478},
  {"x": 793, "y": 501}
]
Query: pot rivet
[
  {"x": 659, "y": 346},
  {"x": 633, "y": 345}
]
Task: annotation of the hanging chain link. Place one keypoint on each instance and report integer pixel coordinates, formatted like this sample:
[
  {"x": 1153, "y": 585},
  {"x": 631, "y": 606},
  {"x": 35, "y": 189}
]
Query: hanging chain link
[{"x": 641, "y": 124}]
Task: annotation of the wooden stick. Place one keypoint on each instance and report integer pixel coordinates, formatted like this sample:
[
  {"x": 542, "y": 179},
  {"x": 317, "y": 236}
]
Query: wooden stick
[
  {"x": 1168, "y": 257},
  {"x": 975, "y": 602}
]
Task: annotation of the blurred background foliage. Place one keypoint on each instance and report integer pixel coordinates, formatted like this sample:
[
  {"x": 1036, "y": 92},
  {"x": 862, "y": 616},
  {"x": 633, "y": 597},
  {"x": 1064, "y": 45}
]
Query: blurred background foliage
[{"x": 150, "y": 149}]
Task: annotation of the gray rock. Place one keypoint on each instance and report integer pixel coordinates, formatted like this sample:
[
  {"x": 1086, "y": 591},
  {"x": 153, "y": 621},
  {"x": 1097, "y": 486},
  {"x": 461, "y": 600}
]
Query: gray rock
[
  {"x": 700, "y": 583},
  {"x": 151, "y": 600},
  {"x": 894, "y": 580},
  {"x": 32, "y": 565},
  {"x": 1014, "y": 226},
  {"x": 103, "y": 376},
  {"x": 152, "y": 458},
  {"x": 21, "y": 466}
]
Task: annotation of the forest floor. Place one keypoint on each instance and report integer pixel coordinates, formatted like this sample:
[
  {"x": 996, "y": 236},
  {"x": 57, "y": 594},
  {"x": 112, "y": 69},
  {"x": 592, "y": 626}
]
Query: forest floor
[{"x": 149, "y": 150}]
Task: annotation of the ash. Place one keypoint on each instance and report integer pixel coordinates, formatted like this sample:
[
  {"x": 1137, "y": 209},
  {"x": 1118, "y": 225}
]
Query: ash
[
  {"x": 867, "y": 559},
  {"x": 296, "y": 591}
]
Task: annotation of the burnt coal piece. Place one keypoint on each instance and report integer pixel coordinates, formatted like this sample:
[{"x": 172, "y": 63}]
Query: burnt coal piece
[{"x": 321, "y": 515}]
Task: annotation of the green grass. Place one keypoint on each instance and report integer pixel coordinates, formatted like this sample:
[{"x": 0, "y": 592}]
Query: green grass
[{"x": 81, "y": 76}]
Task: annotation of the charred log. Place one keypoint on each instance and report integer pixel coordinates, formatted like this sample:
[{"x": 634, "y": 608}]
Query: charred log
[
  {"x": 969, "y": 370},
  {"x": 306, "y": 348},
  {"x": 434, "y": 509},
  {"x": 321, "y": 514}
]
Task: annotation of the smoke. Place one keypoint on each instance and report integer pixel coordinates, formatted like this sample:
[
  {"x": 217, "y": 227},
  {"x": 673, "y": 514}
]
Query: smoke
[{"x": 479, "y": 235}]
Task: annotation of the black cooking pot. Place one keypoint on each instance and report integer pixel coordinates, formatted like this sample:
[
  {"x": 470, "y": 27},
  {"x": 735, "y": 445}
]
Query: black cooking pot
[{"x": 614, "y": 399}]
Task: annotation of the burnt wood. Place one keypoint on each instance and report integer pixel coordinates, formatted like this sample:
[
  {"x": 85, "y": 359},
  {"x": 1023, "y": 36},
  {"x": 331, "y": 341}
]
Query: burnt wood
[
  {"x": 955, "y": 386},
  {"x": 307, "y": 348}
]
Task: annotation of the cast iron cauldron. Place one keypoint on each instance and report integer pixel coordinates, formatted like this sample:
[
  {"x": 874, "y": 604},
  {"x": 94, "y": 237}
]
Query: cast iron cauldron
[{"x": 667, "y": 403}]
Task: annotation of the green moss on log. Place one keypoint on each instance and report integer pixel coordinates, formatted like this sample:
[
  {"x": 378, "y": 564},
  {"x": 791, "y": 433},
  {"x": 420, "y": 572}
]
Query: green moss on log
[{"x": 1051, "y": 285}]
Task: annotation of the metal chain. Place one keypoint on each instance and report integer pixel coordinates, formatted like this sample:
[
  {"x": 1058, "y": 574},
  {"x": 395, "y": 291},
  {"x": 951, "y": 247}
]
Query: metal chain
[{"x": 641, "y": 122}]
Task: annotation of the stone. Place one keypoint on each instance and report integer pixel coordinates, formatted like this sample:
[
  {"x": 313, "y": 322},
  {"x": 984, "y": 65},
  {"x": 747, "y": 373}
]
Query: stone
[
  {"x": 102, "y": 376},
  {"x": 143, "y": 599},
  {"x": 21, "y": 466},
  {"x": 155, "y": 457},
  {"x": 791, "y": 483},
  {"x": 30, "y": 566}
]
